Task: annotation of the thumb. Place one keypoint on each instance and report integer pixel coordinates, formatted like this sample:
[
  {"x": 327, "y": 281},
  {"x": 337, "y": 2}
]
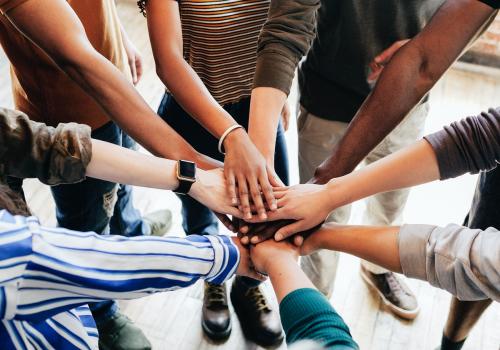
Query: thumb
[
  {"x": 387, "y": 54},
  {"x": 288, "y": 231},
  {"x": 274, "y": 179}
]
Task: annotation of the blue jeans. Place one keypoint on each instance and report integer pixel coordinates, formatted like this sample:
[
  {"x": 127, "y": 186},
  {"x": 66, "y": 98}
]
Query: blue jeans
[
  {"x": 198, "y": 219},
  {"x": 100, "y": 206}
]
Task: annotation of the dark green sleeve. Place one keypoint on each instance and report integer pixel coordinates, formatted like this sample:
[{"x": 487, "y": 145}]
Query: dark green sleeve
[
  {"x": 307, "y": 314},
  {"x": 284, "y": 40}
]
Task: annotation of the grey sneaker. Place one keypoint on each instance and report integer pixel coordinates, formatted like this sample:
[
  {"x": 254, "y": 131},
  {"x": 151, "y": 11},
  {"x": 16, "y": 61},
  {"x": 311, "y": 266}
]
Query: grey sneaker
[
  {"x": 159, "y": 221},
  {"x": 120, "y": 333}
]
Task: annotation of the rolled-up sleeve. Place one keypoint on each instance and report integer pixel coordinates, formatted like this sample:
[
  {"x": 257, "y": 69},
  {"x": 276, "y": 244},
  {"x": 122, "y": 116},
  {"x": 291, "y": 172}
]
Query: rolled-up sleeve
[
  {"x": 34, "y": 150},
  {"x": 470, "y": 145},
  {"x": 285, "y": 39},
  {"x": 463, "y": 261}
]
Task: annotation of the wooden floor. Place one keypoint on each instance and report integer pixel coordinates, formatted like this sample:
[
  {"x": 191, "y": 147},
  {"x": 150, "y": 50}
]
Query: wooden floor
[{"x": 172, "y": 320}]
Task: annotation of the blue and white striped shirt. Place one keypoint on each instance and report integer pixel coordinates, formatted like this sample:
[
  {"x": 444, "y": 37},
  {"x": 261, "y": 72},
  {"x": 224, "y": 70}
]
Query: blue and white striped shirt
[{"x": 48, "y": 275}]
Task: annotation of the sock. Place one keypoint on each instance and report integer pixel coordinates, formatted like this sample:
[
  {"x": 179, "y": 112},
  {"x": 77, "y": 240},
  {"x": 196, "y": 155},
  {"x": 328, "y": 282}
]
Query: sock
[{"x": 447, "y": 344}]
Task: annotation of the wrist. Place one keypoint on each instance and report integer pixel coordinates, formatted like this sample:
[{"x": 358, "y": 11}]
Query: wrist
[
  {"x": 274, "y": 265},
  {"x": 234, "y": 138},
  {"x": 337, "y": 192}
]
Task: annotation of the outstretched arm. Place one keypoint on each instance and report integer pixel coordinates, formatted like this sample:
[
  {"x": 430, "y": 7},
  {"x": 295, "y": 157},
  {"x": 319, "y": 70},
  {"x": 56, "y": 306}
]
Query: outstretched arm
[
  {"x": 244, "y": 166},
  {"x": 305, "y": 313},
  {"x": 411, "y": 73},
  {"x": 460, "y": 260},
  {"x": 65, "y": 41},
  {"x": 470, "y": 145},
  {"x": 84, "y": 267}
]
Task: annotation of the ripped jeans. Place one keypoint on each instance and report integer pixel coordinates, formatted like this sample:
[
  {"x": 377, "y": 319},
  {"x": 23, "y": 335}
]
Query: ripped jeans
[{"x": 90, "y": 205}]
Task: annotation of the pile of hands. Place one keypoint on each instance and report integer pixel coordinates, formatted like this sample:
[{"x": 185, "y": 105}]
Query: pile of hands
[{"x": 275, "y": 222}]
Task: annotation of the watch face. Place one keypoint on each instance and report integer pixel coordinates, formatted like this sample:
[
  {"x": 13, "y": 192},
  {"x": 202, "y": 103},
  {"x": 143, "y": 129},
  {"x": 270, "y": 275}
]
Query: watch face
[{"x": 187, "y": 169}]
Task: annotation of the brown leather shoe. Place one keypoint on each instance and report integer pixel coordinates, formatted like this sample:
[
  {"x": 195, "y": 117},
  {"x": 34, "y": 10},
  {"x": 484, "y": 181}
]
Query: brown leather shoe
[
  {"x": 394, "y": 293},
  {"x": 216, "y": 321},
  {"x": 259, "y": 322}
]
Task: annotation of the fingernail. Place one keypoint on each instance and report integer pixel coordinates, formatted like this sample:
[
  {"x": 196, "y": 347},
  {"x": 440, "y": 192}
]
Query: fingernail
[
  {"x": 263, "y": 216},
  {"x": 274, "y": 206},
  {"x": 234, "y": 201},
  {"x": 231, "y": 228},
  {"x": 278, "y": 237},
  {"x": 244, "y": 240},
  {"x": 248, "y": 216},
  {"x": 255, "y": 240}
]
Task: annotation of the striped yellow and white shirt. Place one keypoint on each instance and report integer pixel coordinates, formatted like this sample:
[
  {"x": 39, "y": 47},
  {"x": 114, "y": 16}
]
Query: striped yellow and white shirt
[{"x": 220, "y": 43}]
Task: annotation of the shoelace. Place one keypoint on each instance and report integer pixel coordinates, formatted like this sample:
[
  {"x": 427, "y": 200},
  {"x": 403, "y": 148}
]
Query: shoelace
[
  {"x": 260, "y": 301},
  {"x": 394, "y": 283},
  {"x": 216, "y": 295}
]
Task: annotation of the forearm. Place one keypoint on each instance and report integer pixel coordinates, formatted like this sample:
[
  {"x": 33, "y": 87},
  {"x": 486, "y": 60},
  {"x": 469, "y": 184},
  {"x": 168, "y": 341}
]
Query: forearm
[
  {"x": 286, "y": 276},
  {"x": 411, "y": 73},
  {"x": 265, "y": 111},
  {"x": 67, "y": 44},
  {"x": 377, "y": 244},
  {"x": 190, "y": 92},
  {"x": 414, "y": 165},
  {"x": 103, "y": 268}
]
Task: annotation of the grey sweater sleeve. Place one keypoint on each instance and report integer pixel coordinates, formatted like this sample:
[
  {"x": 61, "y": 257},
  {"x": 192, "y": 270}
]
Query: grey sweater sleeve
[
  {"x": 285, "y": 39},
  {"x": 463, "y": 261},
  {"x": 468, "y": 146}
]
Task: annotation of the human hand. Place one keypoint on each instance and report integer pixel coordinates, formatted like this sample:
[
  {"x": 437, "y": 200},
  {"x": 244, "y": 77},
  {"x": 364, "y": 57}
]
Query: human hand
[
  {"x": 210, "y": 190},
  {"x": 272, "y": 252},
  {"x": 246, "y": 267},
  {"x": 307, "y": 205},
  {"x": 285, "y": 116},
  {"x": 134, "y": 59},
  {"x": 380, "y": 61},
  {"x": 256, "y": 233},
  {"x": 246, "y": 169}
]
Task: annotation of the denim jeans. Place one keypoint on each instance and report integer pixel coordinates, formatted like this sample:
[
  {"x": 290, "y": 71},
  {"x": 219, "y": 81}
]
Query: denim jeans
[
  {"x": 100, "y": 206},
  {"x": 198, "y": 219}
]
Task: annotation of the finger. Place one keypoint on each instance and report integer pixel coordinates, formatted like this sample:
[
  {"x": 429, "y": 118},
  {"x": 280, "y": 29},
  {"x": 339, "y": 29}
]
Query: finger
[
  {"x": 231, "y": 186},
  {"x": 245, "y": 240},
  {"x": 267, "y": 191},
  {"x": 274, "y": 178},
  {"x": 263, "y": 236},
  {"x": 278, "y": 214},
  {"x": 244, "y": 199},
  {"x": 257, "y": 199},
  {"x": 298, "y": 240},
  {"x": 244, "y": 227},
  {"x": 288, "y": 231},
  {"x": 226, "y": 221}
]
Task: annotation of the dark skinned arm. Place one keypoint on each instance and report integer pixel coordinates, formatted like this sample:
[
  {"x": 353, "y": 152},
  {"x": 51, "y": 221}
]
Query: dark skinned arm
[
  {"x": 412, "y": 72},
  {"x": 63, "y": 38}
]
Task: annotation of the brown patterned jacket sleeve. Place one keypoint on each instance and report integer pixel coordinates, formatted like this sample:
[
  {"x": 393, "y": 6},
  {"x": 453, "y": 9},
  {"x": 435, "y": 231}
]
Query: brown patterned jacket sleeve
[{"x": 34, "y": 150}]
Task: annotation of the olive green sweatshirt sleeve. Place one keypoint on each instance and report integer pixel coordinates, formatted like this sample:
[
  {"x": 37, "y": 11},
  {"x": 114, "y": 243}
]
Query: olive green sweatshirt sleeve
[
  {"x": 307, "y": 315},
  {"x": 285, "y": 39},
  {"x": 34, "y": 150}
]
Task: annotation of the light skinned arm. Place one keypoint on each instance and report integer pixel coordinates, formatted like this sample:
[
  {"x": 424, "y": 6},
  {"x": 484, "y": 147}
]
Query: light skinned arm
[
  {"x": 117, "y": 164},
  {"x": 244, "y": 166},
  {"x": 412, "y": 72},
  {"x": 65, "y": 41},
  {"x": 414, "y": 165}
]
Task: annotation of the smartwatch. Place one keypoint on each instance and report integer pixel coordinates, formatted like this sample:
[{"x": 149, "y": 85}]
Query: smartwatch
[{"x": 186, "y": 174}]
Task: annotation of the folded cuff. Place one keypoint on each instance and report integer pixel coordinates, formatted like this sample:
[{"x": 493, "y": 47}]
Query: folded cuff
[
  {"x": 413, "y": 240},
  {"x": 226, "y": 259},
  {"x": 274, "y": 69}
]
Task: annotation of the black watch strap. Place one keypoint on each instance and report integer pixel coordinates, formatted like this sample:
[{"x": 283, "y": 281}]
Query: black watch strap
[
  {"x": 186, "y": 174},
  {"x": 184, "y": 187}
]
